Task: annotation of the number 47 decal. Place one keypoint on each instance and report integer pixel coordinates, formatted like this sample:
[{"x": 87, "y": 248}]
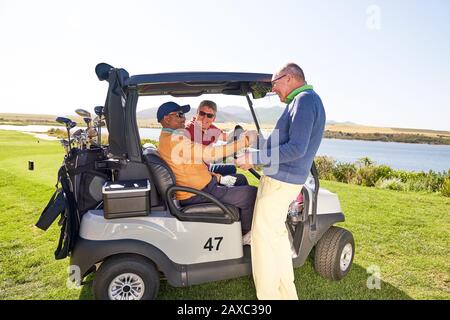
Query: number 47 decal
[{"x": 209, "y": 244}]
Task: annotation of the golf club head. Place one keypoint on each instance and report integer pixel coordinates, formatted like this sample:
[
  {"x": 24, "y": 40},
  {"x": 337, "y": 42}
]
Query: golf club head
[
  {"x": 91, "y": 133},
  {"x": 98, "y": 121},
  {"x": 72, "y": 124},
  {"x": 65, "y": 121},
  {"x": 77, "y": 133},
  {"x": 88, "y": 121},
  {"x": 98, "y": 110},
  {"x": 83, "y": 113}
]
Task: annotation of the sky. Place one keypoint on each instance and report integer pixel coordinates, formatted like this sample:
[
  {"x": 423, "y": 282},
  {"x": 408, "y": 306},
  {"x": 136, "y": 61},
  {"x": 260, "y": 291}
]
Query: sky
[{"x": 381, "y": 63}]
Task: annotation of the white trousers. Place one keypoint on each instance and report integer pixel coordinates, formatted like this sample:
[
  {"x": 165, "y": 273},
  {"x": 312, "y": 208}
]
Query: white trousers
[{"x": 273, "y": 271}]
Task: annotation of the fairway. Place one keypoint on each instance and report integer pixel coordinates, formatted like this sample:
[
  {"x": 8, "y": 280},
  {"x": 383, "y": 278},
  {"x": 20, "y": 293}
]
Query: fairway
[{"x": 402, "y": 236}]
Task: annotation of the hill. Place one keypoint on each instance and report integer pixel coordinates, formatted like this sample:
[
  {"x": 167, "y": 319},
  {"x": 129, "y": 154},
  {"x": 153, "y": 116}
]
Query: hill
[{"x": 226, "y": 114}]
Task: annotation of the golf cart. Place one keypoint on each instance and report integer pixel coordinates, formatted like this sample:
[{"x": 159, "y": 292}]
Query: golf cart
[{"x": 120, "y": 219}]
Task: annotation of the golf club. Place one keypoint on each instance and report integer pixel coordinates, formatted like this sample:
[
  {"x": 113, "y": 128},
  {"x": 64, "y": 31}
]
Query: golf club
[
  {"x": 99, "y": 112},
  {"x": 69, "y": 125},
  {"x": 83, "y": 113}
]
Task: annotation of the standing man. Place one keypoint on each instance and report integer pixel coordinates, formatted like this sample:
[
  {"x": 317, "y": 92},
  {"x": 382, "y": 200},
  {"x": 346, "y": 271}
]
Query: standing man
[{"x": 290, "y": 150}]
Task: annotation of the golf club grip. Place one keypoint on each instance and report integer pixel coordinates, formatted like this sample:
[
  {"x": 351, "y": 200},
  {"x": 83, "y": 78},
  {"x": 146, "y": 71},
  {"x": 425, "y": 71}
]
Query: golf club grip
[{"x": 256, "y": 174}]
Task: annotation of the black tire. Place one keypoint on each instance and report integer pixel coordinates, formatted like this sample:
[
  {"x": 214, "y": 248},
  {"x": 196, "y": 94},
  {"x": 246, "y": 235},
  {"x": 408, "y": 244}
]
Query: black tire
[
  {"x": 328, "y": 252},
  {"x": 119, "y": 266}
]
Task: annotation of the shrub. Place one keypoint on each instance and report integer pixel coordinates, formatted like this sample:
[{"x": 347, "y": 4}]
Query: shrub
[
  {"x": 368, "y": 174},
  {"x": 445, "y": 190},
  {"x": 154, "y": 142},
  {"x": 364, "y": 162},
  {"x": 59, "y": 133},
  {"x": 384, "y": 172},
  {"x": 345, "y": 172},
  {"x": 325, "y": 167},
  {"x": 391, "y": 184}
]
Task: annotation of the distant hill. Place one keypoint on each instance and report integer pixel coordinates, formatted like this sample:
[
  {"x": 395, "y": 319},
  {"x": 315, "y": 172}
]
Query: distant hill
[
  {"x": 227, "y": 114},
  {"x": 222, "y": 116},
  {"x": 267, "y": 116}
]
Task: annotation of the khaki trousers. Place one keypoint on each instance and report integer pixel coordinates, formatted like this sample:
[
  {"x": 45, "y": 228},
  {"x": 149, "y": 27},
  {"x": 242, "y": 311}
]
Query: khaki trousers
[{"x": 273, "y": 271}]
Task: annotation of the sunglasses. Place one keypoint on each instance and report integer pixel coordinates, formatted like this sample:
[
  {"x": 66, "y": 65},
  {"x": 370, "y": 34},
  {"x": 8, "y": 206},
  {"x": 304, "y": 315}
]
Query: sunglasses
[
  {"x": 179, "y": 114},
  {"x": 280, "y": 77},
  {"x": 209, "y": 115}
]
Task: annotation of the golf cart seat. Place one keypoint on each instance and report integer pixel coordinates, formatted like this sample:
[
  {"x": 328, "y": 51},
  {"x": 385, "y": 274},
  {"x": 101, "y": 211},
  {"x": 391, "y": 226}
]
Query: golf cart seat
[{"x": 213, "y": 211}]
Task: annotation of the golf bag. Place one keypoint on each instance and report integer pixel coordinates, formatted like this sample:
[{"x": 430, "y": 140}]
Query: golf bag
[{"x": 79, "y": 189}]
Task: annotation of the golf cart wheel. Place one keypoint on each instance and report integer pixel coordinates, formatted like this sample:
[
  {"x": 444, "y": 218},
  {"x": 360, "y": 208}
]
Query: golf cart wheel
[
  {"x": 126, "y": 277},
  {"x": 334, "y": 253}
]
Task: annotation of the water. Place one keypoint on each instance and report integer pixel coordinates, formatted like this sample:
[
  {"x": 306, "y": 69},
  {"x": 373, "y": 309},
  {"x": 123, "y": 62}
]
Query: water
[{"x": 404, "y": 156}]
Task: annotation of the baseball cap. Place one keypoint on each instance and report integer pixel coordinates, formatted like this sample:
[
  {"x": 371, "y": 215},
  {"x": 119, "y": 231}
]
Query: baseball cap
[{"x": 169, "y": 107}]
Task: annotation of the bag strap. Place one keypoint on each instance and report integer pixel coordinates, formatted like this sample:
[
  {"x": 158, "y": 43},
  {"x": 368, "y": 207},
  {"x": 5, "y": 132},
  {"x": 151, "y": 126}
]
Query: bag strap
[{"x": 61, "y": 251}]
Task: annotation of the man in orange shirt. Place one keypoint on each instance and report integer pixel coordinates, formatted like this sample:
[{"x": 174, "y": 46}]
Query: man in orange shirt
[{"x": 187, "y": 161}]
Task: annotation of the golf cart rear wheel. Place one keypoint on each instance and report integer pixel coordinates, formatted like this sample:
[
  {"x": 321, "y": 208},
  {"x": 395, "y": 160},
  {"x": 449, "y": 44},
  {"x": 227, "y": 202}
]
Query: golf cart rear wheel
[
  {"x": 334, "y": 253},
  {"x": 126, "y": 277}
]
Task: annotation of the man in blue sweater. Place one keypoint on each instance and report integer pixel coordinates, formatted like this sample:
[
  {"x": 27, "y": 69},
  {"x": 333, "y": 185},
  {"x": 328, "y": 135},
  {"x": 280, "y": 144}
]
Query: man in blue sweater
[{"x": 287, "y": 156}]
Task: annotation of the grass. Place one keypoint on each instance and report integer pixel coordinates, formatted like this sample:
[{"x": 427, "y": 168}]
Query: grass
[{"x": 404, "y": 234}]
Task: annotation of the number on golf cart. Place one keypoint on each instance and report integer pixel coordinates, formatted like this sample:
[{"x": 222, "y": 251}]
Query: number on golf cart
[{"x": 209, "y": 244}]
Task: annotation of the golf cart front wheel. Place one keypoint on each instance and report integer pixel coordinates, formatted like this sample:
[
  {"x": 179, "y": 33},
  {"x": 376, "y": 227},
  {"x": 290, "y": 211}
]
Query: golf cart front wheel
[
  {"x": 126, "y": 277},
  {"x": 334, "y": 253}
]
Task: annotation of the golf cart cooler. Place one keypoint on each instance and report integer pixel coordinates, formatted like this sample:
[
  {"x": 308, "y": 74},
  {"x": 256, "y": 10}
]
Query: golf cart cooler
[{"x": 126, "y": 198}]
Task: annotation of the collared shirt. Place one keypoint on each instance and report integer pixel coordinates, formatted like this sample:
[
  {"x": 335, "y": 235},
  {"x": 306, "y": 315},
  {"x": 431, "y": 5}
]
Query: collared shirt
[
  {"x": 289, "y": 151},
  {"x": 206, "y": 137}
]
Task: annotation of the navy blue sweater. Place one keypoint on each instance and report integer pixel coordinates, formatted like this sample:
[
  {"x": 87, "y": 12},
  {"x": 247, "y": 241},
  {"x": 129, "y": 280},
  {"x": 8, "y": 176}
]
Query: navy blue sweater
[{"x": 289, "y": 156}]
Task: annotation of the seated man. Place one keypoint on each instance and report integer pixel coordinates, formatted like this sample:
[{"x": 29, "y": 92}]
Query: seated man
[
  {"x": 202, "y": 130},
  {"x": 187, "y": 161}
]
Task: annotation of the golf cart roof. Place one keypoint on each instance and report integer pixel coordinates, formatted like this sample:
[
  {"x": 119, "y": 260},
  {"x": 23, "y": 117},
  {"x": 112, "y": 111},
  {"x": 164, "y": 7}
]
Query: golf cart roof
[
  {"x": 188, "y": 84},
  {"x": 124, "y": 91}
]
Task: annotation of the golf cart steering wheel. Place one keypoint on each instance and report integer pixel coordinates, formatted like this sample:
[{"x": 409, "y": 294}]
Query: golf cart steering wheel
[{"x": 236, "y": 134}]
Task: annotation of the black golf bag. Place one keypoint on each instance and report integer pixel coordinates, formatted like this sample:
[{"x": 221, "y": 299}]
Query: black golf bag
[{"x": 79, "y": 189}]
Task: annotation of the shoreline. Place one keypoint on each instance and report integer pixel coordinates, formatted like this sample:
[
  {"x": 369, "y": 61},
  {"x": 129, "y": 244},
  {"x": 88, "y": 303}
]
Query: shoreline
[{"x": 331, "y": 132}]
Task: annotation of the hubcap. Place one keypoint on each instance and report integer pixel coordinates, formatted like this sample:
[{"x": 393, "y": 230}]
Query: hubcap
[
  {"x": 346, "y": 257},
  {"x": 127, "y": 286}
]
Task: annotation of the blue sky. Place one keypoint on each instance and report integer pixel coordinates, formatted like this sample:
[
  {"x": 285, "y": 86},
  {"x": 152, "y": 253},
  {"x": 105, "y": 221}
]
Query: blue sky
[{"x": 384, "y": 63}]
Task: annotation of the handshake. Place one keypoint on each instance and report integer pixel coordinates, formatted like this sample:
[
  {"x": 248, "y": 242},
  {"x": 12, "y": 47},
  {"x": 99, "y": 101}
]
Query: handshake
[
  {"x": 244, "y": 161},
  {"x": 249, "y": 137}
]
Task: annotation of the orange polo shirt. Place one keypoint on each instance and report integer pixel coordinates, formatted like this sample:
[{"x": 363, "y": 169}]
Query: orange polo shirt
[{"x": 187, "y": 159}]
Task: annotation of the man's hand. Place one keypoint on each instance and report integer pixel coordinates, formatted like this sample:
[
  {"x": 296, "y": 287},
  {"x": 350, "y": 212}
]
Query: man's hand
[
  {"x": 228, "y": 181},
  {"x": 244, "y": 161},
  {"x": 252, "y": 136},
  {"x": 249, "y": 137}
]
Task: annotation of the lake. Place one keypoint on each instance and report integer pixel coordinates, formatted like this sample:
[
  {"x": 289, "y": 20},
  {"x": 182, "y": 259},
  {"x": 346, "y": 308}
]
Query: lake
[{"x": 405, "y": 156}]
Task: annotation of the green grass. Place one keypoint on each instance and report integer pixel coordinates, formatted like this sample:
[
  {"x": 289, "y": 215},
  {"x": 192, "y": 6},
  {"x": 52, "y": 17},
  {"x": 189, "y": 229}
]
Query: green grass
[{"x": 405, "y": 234}]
